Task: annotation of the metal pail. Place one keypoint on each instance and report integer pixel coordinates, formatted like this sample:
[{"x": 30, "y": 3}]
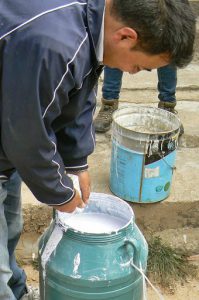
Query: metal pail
[
  {"x": 144, "y": 142},
  {"x": 93, "y": 260}
]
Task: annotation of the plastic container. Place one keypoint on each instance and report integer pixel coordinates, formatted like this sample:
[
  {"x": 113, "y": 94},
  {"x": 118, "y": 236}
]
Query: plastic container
[{"x": 90, "y": 254}]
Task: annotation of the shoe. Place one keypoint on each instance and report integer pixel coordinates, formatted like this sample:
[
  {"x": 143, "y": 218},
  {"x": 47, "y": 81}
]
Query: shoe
[
  {"x": 31, "y": 294},
  {"x": 104, "y": 118},
  {"x": 170, "y": 106}
]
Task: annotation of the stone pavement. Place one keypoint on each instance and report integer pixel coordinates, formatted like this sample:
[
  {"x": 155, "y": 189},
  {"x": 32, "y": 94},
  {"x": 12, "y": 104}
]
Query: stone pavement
[{"x": 181, "y": 210}]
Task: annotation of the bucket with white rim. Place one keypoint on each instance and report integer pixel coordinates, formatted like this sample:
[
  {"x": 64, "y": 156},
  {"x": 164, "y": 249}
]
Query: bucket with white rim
[{"x": 144, "y": 143}]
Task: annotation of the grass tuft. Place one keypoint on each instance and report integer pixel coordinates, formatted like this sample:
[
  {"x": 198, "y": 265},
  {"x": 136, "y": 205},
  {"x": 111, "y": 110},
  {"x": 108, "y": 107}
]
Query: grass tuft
[{"x": 167, "y": 266}]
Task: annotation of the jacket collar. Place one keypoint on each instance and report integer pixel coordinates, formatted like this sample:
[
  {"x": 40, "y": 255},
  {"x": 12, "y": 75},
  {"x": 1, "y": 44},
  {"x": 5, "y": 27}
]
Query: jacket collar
[{"x": 95, "y": 13}]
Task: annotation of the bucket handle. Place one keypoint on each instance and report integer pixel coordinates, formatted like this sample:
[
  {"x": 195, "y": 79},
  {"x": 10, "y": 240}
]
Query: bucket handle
[{"x": 136, "y": 250}]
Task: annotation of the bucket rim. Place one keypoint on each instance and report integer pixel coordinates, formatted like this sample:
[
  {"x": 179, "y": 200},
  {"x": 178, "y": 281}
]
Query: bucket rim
[
  {"x": 59, "y": 216},
  {"x": 135, "y": 109}
]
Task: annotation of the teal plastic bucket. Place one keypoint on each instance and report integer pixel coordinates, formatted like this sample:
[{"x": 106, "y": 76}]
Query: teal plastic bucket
[
  {"x": 144, "y": 142},
  {"x": 90, "y": 255}
]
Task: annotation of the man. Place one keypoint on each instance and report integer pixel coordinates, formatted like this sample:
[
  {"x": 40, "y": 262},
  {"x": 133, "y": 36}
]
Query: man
[
  {"x": 50, "y": 60},
  {"x": 167, "y": 80}
]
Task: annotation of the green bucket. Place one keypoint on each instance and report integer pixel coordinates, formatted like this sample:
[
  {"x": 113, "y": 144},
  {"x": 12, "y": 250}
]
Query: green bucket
[{"x": 90, "y": 254}]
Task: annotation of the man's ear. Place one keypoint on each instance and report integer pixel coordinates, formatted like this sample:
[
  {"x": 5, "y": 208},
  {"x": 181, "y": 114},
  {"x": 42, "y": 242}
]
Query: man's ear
[{"x": 127, "y": 35}]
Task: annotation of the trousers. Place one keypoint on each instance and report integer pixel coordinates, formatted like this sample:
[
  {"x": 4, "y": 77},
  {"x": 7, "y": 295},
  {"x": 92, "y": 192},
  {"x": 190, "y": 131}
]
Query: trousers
[
  {"x": 12, "y": 277},
  {"x": 167, "y": 81}
]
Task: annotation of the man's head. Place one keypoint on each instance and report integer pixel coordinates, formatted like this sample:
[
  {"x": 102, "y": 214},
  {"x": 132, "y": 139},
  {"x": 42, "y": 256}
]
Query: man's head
[{"x": 143, "y": 34}]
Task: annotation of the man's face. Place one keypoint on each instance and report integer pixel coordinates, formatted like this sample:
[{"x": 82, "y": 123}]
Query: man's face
[
  {"x": 134, "y": 61},
  {"x": 122, "y": 51}
]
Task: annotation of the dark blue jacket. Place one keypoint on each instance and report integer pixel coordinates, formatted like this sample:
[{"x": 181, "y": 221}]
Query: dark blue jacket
[{"x": 48, "y": 70}]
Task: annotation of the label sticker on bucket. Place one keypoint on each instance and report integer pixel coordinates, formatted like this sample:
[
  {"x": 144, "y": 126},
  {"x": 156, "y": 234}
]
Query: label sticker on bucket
[{"x": 151, "y": 173}]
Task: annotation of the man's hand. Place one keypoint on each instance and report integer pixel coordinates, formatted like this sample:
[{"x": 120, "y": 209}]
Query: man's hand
[
  {"x": 85, "y": 185},
  {"x": 70, "y": 206},
  {"x": 78, "y": 201}
]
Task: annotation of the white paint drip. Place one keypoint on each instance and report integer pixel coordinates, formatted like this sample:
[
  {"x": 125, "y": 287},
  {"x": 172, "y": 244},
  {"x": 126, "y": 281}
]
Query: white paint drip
[
  {"x": 51, "y": 245},
  {"x": 77, "y": 261},
  {"x": 115, "y": 159},
  {"x": 150, "y": 148},
  {"x": 161, "y": 146}
]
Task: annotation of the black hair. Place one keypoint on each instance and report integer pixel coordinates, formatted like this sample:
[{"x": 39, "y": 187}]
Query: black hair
[{"x": 163, "y": 26}]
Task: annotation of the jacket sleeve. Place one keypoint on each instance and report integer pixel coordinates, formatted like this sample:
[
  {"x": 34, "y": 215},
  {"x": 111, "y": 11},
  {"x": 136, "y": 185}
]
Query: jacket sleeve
[
  {"x": 77, "y": 140},
  {"x": 32, "y": 101}
]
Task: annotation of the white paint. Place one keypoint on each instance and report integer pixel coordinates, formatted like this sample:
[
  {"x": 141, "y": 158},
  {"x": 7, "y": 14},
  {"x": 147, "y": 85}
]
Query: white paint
[
  {"x": 95, "y": 223},
  {"x": 75, "y": 180},
  {"x": 33, "y": 256},
  {"x": 77, "y": 261},
  {"x": 51, "y": 245},
  {"x": 185, "y": 238},
  {"x": 103, "y": 214}
]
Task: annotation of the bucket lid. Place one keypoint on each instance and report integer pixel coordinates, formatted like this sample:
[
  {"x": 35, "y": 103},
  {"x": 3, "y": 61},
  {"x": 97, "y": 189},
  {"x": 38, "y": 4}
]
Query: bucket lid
[{"x": 104, "y": 214}]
